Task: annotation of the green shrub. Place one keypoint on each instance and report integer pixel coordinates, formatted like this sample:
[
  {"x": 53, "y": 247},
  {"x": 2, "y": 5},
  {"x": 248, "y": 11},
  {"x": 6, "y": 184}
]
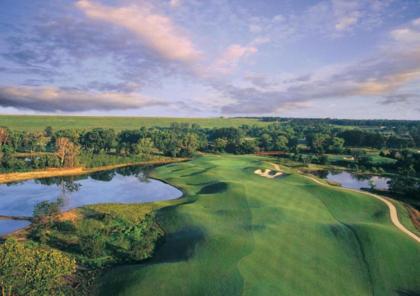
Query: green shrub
[{"x": 32, "y": 270}]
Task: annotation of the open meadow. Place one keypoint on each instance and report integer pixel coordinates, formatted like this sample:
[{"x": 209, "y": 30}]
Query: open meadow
[{"x": 39, "y": 123}]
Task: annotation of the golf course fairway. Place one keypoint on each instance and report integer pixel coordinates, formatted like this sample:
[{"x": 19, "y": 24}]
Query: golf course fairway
[{"x": 237, "y": 233}]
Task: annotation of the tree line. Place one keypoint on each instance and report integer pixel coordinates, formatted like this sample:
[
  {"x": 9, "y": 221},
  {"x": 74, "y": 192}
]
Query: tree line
[{"x": 183, "y": 140}]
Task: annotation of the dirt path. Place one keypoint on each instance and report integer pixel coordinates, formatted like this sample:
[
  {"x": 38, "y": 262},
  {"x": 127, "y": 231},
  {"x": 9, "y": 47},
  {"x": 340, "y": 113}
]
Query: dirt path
[
  {"x": 392, "y": 209},
  {"x": 60, "y": 172},
  {"x": 25, "y": 218}
]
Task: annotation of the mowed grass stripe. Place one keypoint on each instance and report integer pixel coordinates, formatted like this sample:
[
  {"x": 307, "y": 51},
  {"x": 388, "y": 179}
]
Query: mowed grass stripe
[{"x": 237, "y": 233}]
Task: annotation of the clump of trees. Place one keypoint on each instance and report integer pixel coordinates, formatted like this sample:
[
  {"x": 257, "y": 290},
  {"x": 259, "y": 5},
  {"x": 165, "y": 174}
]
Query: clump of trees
[
  {"x": 99, "y": 239},
  {"x": 33, "y": 270},
  {"x": 107, "y": 239},
  {"x": 45, "y": 215},
  {"x": 405, "y": 183}
]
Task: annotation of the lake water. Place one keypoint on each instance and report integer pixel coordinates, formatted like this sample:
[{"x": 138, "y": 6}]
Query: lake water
[
  {"x": 350, "y": 180},
  {"x": 124, "y": 185}
]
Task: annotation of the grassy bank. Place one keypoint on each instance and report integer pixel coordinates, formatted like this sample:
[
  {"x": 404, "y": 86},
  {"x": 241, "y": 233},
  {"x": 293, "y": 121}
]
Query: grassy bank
[
  {"x": 237, "y": 233},
  {"x": 39, "y": 123}
]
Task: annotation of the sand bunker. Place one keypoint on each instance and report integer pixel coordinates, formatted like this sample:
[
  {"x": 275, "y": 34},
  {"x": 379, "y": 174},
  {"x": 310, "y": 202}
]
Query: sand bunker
[{"x": 268, "y": 173}]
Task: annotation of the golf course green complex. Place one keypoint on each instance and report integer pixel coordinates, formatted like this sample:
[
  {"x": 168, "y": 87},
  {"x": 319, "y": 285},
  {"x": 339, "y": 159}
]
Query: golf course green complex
[{"x": 237, "y": 233}]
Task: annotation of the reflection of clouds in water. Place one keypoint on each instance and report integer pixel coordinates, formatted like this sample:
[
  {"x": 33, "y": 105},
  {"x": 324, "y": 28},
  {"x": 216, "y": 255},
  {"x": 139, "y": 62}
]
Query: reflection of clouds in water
[
  {"x": 143, "y": 177},
  {"x": 128, "y": 185},
  {"x": 8, "y": 226},
  {"x": 355, "y": 181}
]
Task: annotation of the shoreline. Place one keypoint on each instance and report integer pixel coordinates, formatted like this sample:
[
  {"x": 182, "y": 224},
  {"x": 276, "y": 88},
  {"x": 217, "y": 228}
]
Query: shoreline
[
  {"x": 62, "y": 172},
  {"x": 21, "y": 233}
]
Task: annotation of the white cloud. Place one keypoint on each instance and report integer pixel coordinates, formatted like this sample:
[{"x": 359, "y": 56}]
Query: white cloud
[
  {"x": 156, "y": 30},
  {"x": 416, "y": 22},
  {"x": 345, "y": 22},
  {"x": 408, "y": 35},
  {"x": 346, "y": 12}
]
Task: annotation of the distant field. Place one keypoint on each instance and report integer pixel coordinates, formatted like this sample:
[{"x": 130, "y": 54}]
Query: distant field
[
  {"x": 241, "y": 234},
  {"x": 39, "y": 123}
]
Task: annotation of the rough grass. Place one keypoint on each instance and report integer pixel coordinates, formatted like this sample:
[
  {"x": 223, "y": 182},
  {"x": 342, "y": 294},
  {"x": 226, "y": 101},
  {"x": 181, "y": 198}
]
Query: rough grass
[
  {"x": 131, "y": 212},
  {"x": 258, "y": 236},
  {"x": 39, "y": 123}
]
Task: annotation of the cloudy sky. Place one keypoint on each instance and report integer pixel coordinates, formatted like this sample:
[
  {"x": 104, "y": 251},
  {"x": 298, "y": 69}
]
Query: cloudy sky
[{"x": 298, "y": 58}]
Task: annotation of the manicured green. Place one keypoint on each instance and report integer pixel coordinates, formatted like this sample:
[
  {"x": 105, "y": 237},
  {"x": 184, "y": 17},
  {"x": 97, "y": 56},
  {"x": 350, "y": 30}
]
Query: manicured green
[
  {"x": 39, "y": 123},
  {"x": 236, "y": 233}
]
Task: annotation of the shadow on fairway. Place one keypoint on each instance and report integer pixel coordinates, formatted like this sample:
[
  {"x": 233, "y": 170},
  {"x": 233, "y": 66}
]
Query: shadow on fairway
[
  {"x": 178, "y": 246},
  {"x": 408, "y": 293},
  {"x": 198, "y": 172},
  {"x": 214, "y": 188}
]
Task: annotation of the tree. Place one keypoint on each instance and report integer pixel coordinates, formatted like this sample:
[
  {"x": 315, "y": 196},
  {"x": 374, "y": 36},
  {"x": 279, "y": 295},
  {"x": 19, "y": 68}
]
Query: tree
[
  {"x": 220, "y": 144},
  {"x": 127, "y": 140},
  {"x": 317, "y": 142},
  {"x": 48, "y": 131},
  {"x": 247, "y": 146},
  {"x": 44, "y": 216},
  {"x": 281, "y": 143},
  {"x": 28, "y": 270},
  {"x": 67, "y": 152},
  {"x": 266, "y": 142},
  {"x": 4, "y": 136},
  {"x": 47, "y": 210},
  {"x": 145, "y": 147},
  {"x": 293, "y": 144},
  {"x": 98, "y": 139},
  {"x": 335, "y": 145},
  {"x": 188, "y": 144},
  {"x": 72, "y": 134}
]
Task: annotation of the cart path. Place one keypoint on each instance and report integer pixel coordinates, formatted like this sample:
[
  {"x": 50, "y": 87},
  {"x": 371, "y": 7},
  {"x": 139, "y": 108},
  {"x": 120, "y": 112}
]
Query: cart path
[{"x": 392, "y": 209}]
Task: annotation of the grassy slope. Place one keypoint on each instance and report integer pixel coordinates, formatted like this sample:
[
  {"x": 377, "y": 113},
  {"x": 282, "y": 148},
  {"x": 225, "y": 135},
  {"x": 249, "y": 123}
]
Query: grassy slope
[
  {"x": 240, "y": 234},
  {"x": 39, "y": 123}
]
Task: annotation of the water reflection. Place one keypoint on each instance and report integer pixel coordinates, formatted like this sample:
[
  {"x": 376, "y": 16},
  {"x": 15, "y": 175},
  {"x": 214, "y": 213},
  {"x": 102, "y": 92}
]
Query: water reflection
[
  {"x": 355, "y": 181},
  {"x": 124, "y": 185},
  {"x": 9, "y": 226}
]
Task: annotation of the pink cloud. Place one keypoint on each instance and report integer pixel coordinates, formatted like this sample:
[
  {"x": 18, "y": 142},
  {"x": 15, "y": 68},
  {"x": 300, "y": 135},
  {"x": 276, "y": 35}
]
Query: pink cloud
[
  {"x": 157, "y": 31},
  {"x": 231, "y": 57},
  {"x": 175, "y": 3},
  {"x": 52, "y": 99}
]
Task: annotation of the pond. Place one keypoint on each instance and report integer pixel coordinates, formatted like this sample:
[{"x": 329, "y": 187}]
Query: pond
[
  {"x": 354, "y": 181},
  {"x": 124, "y": 185}
]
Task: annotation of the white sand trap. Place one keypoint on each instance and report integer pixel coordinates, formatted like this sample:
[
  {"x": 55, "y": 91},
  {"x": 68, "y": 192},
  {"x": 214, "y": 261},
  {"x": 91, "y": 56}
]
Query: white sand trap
[{"x": 268, "y": 173}]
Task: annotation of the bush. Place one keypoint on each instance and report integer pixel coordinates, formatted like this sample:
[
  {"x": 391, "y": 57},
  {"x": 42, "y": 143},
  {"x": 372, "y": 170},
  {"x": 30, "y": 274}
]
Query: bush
[
  {"x": 101, "y": 239},
  {"x": 31, "y": 270}
]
